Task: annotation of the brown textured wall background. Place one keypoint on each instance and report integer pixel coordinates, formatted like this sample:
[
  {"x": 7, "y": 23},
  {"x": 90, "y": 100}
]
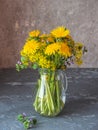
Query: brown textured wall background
[{"x": 18, "y": 17}]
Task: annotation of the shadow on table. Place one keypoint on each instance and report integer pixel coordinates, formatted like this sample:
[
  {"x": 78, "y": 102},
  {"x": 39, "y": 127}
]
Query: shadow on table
[{"x": 80, "y": 106}]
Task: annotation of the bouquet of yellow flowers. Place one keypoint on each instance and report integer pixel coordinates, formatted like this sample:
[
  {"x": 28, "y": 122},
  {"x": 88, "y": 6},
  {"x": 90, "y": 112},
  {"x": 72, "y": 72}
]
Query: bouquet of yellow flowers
[{"x": 50, "y": 52}]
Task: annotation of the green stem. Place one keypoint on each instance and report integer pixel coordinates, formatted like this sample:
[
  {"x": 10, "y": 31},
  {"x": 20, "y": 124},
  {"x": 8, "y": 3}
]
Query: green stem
[
  {"x": 50, "y": 103},
  {"x": 58, "y": 94}
]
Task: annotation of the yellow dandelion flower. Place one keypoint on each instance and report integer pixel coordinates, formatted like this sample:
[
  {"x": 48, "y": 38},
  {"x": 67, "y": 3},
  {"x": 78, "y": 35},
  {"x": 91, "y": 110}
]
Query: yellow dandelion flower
[
  {"x": 78, "y": 54},
  {"x": 60, "y": 32},
  {"x": 25, "y": 63},
  {"x": 30, "y": 47},
  {"x": 78, "y": 46},
  {"x": 52, "y": 66},
  {"x": 78, "y": 61},
  {"x": 22, "y": 53},
  {"x": 34, "y": 33},
  {"x": 34, "y": 57},
  {"x": 43, "y": 61},
  {"x": 52, "y": 48},
  {"x": 64, "y": 50}
]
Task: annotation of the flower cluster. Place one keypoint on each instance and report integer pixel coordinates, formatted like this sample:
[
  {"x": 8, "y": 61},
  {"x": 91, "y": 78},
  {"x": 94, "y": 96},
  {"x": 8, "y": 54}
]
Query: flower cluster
[
  {"x": 55, "y": 50},
  {"x": 28, "y": 122}
]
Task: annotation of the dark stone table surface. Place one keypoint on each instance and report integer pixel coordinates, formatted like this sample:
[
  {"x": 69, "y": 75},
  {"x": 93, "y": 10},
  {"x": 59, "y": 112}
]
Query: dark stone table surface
[{"x": 80, "y": 111}]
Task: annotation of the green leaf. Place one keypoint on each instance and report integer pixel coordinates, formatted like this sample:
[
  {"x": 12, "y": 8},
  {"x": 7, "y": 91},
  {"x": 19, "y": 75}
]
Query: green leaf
[
  {"x": 23, "y": 59},
  {"x": 26, "y": 124},
  {"x": 20, "y": 118},
  {"x": 18, "y": 67},
  {"x": 35, "y": 66},
  {"x": 34, "y": 121}
]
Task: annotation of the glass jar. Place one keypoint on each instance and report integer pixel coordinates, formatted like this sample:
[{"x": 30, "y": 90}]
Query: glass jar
[{"x": 51, "y": 92}]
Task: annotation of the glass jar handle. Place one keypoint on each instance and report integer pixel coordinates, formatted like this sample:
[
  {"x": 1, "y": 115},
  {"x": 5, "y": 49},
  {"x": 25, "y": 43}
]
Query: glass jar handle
[
  {"x": 66, "y": 82},
  {"x": 64, "y": 79}
]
